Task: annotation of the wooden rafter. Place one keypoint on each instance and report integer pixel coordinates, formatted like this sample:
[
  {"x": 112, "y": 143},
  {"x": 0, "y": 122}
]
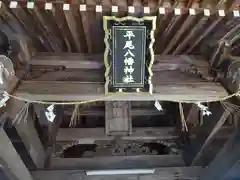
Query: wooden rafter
[
  {"x": 81, "y": 24},
  {"x": 194, "y": 153},
  {"x": 226, "y": 163}
]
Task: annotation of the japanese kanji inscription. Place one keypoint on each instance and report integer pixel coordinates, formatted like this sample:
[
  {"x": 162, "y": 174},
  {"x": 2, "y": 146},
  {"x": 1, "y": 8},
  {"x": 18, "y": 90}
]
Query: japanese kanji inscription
[{"x": 129, "y": 53}]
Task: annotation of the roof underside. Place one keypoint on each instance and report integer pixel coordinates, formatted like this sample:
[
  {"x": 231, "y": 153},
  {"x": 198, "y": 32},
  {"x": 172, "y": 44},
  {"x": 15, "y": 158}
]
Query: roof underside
[{"x": 80, "y": 30}]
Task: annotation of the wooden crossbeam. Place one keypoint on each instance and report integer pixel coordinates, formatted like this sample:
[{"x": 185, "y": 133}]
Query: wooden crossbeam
[
  {"x": 91, "y": 134},
  {"x": 169, "y": 90},
  {"x": 134, "y": 112},
  {"x": 10, "y": 161},
  {"x": 165, "y": 173},
  {"x": 170, "y": 80},
  {"x": 90, "y": 61},
  {"x": 118, "y": 162}
]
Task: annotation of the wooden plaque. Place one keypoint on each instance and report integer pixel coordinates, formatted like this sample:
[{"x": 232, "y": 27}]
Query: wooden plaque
[{"x": 129, "y": 53}]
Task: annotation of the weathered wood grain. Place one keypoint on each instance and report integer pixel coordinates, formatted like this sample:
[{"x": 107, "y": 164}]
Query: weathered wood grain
[
  {"x": 134, "y": 112},
  {"x": 117, "y": 162},
  {"x": 118, "y": 118},
  {"x": 92, "y": 134},
  {"x": 28, "y": 133},
  {"x": 95, "y": 61},
  {"x": 10, "y": 160},
  {"x": 165, "y": 173},
  {"x": 169, "y": 86}
]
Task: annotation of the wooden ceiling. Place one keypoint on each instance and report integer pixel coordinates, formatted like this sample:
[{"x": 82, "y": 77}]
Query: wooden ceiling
[{"x": 78, "y": 28}]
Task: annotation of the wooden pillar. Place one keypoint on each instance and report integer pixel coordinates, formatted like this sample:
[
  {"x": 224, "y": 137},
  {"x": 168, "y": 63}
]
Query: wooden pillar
[
  {"x": 13, "y": 165},
  {"x": 52, "y": 133},
  {"x": 226, "y": 165},
  {"x": 28, "y": 133},
  {"x": 118, "y": 118}
]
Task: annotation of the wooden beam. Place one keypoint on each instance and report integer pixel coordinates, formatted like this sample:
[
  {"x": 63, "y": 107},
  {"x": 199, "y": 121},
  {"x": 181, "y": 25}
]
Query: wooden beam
[
  {"x": 167, "y": 85},
  {"x": 27, "y": 132},
  {"x": 118, "y": 118},
  {"x": 204, "y": 34},
  {"x": 92, "y": 134},
  {"x": 10, "y": 161},
  {"x": 86, "y": 19},
  {"x": 134, "y": 112},
  {"x": 95, "y": 61},
  {"x": 117, "y": 162},
  {"x": 226, "y": 163},
  {"x": 211, "y": 135},
  {"x": 72, "y": 28},
  {"x": 184, "y": 29},
  {"x": 165, "y": 173},
  {"x": 211, "y": 126}
]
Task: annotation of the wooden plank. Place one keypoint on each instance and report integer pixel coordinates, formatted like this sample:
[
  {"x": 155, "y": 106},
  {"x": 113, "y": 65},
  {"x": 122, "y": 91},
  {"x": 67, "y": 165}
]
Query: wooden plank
[
  {"x": 28, "y": 133},
  {"x": 91, "y": 61},
  {"x": 117, "y": 162},
  {"x": 11, "y": 162},
  {"x": 226, "y": 163},
  {"x": 169, "y": 86},
  {"x": 92, "y": 134},
  {"x": 134, "y": 112},
  {"x": 118, "y": 118},
  {"x": 165, "y": 173}
]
